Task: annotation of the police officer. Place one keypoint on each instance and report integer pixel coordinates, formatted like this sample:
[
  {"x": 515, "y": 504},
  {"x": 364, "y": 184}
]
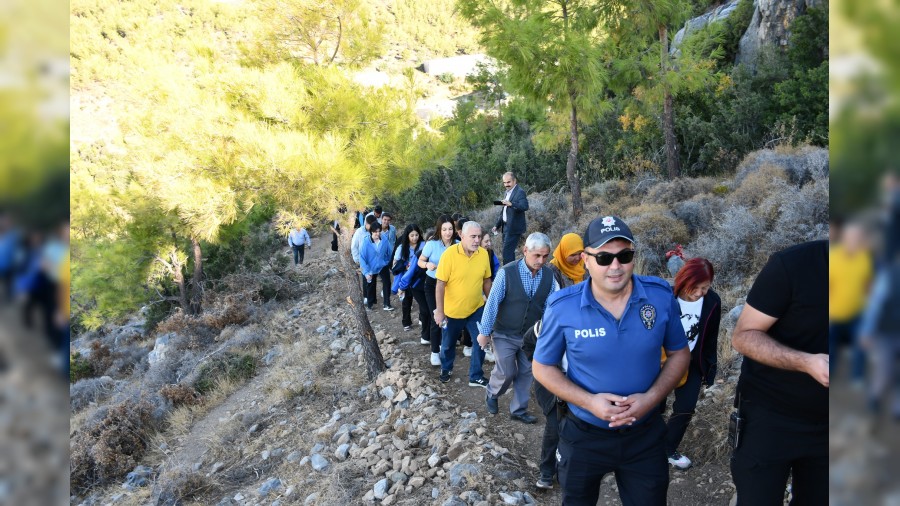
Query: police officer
[{"x": 611, "y": 329}]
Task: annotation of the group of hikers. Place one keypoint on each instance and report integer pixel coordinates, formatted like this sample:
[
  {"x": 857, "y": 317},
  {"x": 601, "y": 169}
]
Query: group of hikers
[{"x": 604, "y": 347}]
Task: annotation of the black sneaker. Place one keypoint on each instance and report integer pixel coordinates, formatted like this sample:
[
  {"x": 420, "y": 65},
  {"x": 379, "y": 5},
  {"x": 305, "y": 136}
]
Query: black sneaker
[
  {"x": 445, "y": 376},
  {"x": 524, "y": 418},
  {"x": 480, "y": 382},
  {"x": 388, "y": 308}
]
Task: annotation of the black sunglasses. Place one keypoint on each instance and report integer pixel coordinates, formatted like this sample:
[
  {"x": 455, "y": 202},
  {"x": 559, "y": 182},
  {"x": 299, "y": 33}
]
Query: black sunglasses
[{"x": 604, "y": 259}]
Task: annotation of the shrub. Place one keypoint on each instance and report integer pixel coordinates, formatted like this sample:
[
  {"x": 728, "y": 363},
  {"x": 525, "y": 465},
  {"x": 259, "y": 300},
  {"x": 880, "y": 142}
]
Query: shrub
[
  {"x": 656, "y": 230},
  {"x": 232, "y": 366},
  {"x": 732, "y": 245},
  {"x": 180, "y": 484},
  {"x": 88, "y": 390},
  {"x": 679, "y": 190},
  {"x": 180, "y": 395},
  {"x": 79, "y": 367},
  {"x": 110, "y": 448},
  {"x": 757, "y": 185},
  {"x": 446, "y": 78},
  {"x": 699, "y": 213}
]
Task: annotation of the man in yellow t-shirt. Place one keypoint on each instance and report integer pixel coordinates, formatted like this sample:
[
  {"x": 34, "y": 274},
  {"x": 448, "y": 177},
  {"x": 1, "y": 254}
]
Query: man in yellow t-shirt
[
  {"x": 849, "y": 276},
  {"x": 463, "y": 282}
]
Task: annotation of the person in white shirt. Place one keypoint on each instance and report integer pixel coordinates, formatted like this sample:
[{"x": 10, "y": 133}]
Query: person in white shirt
[{"x": 298, "y": 240}]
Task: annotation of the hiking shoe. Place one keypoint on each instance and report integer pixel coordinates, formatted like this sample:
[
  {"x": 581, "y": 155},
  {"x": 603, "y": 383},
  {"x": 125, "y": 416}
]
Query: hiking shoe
[
  {"x": 445, "y": 375},
  {"x": 424, "y": 341},
  {"x": 524, "y": 418},
  {"x": 480, "y": 382},
  {"x": 467, "y": 351},
  {"x": 388, "y": 307},
  {"x": 680, "y": 461},
  {"x": 435, "y": 358},
  {"x": 406, "y": 328},
  {"x": 544, "y": 483},
  {"x": 492, "y": 405},
  {"x": 489, "y": 355}
]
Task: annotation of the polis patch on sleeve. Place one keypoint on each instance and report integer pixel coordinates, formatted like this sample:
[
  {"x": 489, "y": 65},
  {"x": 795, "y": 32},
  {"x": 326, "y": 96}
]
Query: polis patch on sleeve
[{"x": 648, "y": 316}]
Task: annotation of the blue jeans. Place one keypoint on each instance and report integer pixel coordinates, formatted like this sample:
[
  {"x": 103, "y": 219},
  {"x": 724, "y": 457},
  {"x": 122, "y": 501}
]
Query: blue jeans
[{"x": 448, "y": 344}]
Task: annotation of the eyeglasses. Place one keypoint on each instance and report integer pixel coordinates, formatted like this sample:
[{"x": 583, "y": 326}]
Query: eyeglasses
[{"x": 604, "y": 259}]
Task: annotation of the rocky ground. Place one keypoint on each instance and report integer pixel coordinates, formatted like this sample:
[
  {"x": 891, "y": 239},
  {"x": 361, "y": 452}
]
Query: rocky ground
[{"x": 310, "y": 428}]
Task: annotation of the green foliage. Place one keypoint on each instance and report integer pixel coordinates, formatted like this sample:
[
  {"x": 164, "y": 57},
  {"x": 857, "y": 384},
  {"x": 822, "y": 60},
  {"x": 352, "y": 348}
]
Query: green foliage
[
  {"x": 231, "y": 366},
  {"x": 79, "y": 368},
  {"x": 488, "y": 146},
  {"x": 446, "y": 78},
  {"x": 434, "y": 27},
  {"x": 321, "y": 32},
  {"x": 802, "y": 99}
]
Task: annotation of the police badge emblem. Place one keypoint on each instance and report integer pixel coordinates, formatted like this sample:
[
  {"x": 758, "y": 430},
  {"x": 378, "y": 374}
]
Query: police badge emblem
[{"x": 648, "y": 316}]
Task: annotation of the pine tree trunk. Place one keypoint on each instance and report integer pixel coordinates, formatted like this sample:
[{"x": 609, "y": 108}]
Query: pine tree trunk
[
  {"x": 372, "y": 352},
  {"x": 178, "y": 278},
  {"x": 672, "y": 164},
  {"x": 572, "y": 159},
  {"x": 197, "y": 279}
]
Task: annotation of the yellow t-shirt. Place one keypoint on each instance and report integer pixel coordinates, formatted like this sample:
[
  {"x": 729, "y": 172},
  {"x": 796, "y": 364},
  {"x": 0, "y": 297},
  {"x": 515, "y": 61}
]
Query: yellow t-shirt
[
  {"x": 465, "y": 277},
  {"x": 848, "y": 282}
]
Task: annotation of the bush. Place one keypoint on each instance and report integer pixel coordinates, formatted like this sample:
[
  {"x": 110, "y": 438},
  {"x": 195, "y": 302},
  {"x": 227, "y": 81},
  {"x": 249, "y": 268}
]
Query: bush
[
  {"x": 732, "y": 245},
  {"x": 656, "y": 230},
  {"x": 679, "y": 190},
  {"x": 94, "y": 364},
  {"x": 79, "y": 368},
  {"x": 699, "y": 213},
  {"x": 180, "y": 395},
  {"x": 231, "y": 366},
  {"x": 88, "y": 390},
  {"x": 757, "y": 185},
  {"x": 180, "y": 484},
  {"x": 110, "y": 448}
]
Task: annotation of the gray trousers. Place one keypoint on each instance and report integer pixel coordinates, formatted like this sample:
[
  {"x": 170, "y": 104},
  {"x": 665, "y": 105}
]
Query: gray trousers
[
  {"x": 511, "y": 367},
  {"x": 885, "y": 377}
]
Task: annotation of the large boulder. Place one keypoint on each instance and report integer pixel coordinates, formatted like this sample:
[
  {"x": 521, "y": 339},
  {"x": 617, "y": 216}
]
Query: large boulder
[
  {"x": 692, "y": 25},
  {"x": 770, "y": 26}
]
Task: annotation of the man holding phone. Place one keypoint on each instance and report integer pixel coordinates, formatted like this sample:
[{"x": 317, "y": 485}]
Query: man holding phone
[{"x": 512, "y": 216}]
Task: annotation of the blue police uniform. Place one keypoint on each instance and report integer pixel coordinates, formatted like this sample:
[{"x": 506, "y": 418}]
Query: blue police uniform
[{"x": 619, "y": 357}]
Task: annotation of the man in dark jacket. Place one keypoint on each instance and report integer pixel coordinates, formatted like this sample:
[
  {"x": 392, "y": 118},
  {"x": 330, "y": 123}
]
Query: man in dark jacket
[{"x": 512, "y": 216}]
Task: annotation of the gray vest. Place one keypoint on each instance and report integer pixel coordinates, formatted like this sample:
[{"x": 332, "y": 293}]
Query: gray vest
[{"x": 517, "y": 312}]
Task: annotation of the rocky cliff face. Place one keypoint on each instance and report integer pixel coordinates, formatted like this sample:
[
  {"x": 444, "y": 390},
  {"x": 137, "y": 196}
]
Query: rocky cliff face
[
  {"x": 692, "y": 25},
  {"x": 770, "y": 25}
]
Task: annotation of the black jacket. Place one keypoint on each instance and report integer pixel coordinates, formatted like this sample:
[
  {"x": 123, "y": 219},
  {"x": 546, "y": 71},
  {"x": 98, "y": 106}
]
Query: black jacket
[{"x": 705, "y": 354}]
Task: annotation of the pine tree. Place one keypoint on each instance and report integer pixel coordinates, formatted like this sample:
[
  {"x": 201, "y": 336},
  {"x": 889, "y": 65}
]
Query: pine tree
[{"x": 553, "y": 51}]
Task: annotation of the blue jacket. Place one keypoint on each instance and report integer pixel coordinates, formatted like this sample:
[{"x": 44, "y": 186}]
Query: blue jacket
[
  {"x": 413, "y": 276},
  {"x": 372, "y": 257}
]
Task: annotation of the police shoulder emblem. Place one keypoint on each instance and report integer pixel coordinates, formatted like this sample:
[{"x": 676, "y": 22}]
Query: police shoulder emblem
[{"x": 648, "y": 315}]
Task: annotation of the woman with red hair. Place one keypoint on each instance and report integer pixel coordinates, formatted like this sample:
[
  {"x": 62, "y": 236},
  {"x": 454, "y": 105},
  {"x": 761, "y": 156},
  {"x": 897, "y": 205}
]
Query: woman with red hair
[{"x": 701, "y": 312}]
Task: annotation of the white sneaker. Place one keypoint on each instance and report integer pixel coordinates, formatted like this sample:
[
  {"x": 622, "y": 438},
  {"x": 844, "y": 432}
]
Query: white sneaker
[
  {"x": 424, "y": 341},
  {"x": 489, "y": 355},
  {"x": 680, "y": 461},
  {"x": 435, "y": 359},
  {"x": 467, "y": 351}
]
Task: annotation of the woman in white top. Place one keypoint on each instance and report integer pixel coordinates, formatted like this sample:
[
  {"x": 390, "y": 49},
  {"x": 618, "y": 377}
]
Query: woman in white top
[{"x": 701, "y": 312}]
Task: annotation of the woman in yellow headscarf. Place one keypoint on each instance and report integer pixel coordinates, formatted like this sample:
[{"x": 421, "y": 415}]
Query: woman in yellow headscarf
[{"x": 567, "y": 264}]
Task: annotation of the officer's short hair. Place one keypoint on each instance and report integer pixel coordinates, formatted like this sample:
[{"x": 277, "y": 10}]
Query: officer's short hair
[{"x": 537, "y": 240}]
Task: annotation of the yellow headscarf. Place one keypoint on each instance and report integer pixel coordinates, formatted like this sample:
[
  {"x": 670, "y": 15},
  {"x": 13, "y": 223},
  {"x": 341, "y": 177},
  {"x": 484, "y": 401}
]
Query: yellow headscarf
[{"x": 569, "y": 244}]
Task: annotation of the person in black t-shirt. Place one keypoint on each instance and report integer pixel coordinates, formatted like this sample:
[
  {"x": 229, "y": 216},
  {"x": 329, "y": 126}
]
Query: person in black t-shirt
[{"x": 783, "y": 388}]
